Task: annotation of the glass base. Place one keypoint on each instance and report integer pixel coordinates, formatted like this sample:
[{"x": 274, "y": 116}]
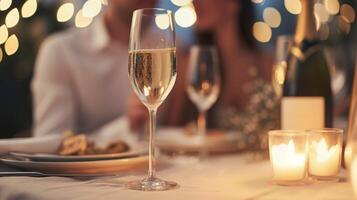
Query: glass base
[{"x": 152, "y": 184}]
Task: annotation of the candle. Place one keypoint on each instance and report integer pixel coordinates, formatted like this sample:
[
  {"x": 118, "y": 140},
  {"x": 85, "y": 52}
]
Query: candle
[
  {"x": 354, "y": 175},
  {"x": 288, "y": 165},
  {"x": 348, "y": 155},
  {"x": 324, "y": 161}
]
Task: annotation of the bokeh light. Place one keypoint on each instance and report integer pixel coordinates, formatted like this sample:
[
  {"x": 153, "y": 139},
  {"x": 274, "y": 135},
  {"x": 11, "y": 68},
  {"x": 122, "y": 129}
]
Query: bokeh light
[
  {"x": 321, "y": 13},
  {"x": 91, "y": 8},
  {"x": 81, "y": 21},
  {"x": 348, "y": 13},
  {"x": 65, "y": 12},
  {"x": 12, "y": 18},
  {"x": 11, "y": 45},
  {"x": 162, "y": 21},
  {"x": 5, "y": 4},
  {"x": 344, "y": 26},
  {"x": 29, "y": 8},
  {"x": 257, "y": 1},
  {"x": 104, "y": 2},
  {"x": 272, "y": 17},
  {"x": 4, "y": 34},
  {"x": 185, "y": 16},
  {"x": 332, "y": 6},
  {"x": 181, "y": 2},
  {"x": 262, "y": 32},
  {"x": 1, "y": 55},
  {"x": 293, "y": 6}
]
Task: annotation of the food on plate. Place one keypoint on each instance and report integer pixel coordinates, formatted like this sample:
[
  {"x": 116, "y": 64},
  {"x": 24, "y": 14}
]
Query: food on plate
[{"x": 81, "y": 145}]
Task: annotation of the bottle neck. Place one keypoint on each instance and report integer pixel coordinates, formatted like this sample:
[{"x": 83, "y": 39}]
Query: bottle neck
[{"x": 306, "y": 25}]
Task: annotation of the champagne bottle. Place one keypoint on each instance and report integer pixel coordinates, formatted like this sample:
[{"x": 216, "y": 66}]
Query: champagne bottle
[{"x": 307, "y": 96}]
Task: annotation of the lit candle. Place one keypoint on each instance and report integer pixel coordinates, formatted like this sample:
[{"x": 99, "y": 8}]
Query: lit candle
[
  {"x": 287, "y": 164},
  {"x": 348, "y": 155},
  {"x": 324, "y": 161}
]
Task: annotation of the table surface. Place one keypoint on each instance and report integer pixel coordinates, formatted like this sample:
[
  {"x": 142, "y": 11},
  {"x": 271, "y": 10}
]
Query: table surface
[{"x": 223, "y": 177}]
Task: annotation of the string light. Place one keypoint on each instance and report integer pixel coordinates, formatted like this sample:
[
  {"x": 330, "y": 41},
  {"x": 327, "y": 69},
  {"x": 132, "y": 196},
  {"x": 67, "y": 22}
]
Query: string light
[
  {"x": 12, "y": 18},
  {"x": 181, "y": 2},
  {"x": 257, "y": 1},
  {"x": 29, "y": 8},
  {"x": 293, "y": 6},
  {"x": 272, "y": 17},
  {"x": 185, "y": 16},
  {"x": 1, "y": 55},
  {"x": 162, "y": 21},
  {"x": 91, "y": 8},
  {"x": 321, "y": 13},
  {"x": 332, "y": 6},
  {"x": 81, "y": 21},
  {"x": 4, "y": 34},
  {"x": 347, "y": 13},
  {"x": 5, "y": 4},
  {"x": 11, "y": 45},
  {"x": 65, "y": 12},
  {"x": 262, "y": 32}
]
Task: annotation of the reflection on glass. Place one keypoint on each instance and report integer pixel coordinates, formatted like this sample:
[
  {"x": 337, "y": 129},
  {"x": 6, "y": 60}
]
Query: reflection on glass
[{"x": 283, "y": 45}]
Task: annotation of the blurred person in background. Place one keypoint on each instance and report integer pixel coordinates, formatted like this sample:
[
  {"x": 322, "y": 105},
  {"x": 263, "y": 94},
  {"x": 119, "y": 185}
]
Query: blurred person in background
[
  {"x": 247, "y": 103},
  {"x": 80, "y": 82}
]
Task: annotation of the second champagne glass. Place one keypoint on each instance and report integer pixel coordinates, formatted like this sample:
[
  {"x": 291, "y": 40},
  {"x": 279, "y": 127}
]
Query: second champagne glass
[
  {"x": 152, "y": 73},
  {"x": 204, "y": 81}
]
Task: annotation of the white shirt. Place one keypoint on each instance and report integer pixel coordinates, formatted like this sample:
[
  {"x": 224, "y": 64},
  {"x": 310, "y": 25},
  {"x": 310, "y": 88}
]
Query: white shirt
[{"x": 80, "y": 82}]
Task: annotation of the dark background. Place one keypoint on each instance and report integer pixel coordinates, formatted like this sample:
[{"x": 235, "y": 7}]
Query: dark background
[{"x": 16, "y": 71}]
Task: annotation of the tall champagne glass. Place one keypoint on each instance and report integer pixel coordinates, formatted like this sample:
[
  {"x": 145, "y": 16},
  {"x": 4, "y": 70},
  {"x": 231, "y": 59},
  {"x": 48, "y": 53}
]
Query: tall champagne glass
[
  {"x": 203, "y": 85},
  {"x": 152, "y": 73}
]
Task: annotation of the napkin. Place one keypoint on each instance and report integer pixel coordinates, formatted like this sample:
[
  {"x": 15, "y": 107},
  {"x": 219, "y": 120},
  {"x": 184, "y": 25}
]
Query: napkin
[
  {"x": 43, "y": 144},
  {"x": 118, "y": 130}
]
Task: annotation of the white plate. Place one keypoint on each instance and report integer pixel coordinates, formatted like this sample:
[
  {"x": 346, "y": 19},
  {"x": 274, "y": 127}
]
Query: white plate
[
  {"x": 134, "y": 151},
  {"x": 87, "y": 167},
  {"x": 175, "y": 139}
]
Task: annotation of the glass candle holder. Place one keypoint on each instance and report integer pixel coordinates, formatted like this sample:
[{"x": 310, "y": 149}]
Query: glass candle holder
[
  {"x": 325, "y": 152},
  {"x": 288, "y": 150}
]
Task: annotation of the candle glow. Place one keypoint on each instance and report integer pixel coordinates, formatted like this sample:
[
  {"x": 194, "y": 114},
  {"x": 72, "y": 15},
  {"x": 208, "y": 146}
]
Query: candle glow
[
  {"x": 324, "y": 161},
  {"x": 287, "y": 163}
]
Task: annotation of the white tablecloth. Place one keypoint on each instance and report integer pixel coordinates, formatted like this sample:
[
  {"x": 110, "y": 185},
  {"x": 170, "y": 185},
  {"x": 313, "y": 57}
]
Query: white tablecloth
[{"x": 227, "y": 177}]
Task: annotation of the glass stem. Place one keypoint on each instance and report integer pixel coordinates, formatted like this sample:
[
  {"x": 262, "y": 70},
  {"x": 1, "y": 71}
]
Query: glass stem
[
  {"x": 152, "y": 118},
  {"x": 201, "y": 124}
]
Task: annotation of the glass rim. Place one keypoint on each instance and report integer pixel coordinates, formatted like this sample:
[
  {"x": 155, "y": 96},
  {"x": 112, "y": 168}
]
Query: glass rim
[
  {"x": 335, "y": 131},
  {"x": 287, "y": 132},
  {"x": 142, "y": 11}
]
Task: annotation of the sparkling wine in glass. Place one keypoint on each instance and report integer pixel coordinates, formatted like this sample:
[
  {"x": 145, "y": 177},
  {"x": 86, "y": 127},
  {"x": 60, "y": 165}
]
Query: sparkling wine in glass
[
  {"x": 152, "y": 73},
  {"x": 203, "y": 85}
]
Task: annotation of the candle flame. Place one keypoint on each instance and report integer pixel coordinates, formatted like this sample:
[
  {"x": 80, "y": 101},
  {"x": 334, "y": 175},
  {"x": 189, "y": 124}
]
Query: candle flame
[
  {"x": 285, "y": 155},
  {"x": 323, "y": 153}
]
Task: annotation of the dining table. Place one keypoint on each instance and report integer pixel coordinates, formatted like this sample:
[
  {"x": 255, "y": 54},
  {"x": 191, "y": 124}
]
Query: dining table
[{"x": 232, "y": 176}]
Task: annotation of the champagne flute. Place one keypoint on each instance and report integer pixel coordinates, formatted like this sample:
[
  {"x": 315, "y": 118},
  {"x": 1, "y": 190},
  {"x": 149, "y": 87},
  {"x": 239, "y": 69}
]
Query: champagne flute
[
  {"x": 203, "y": 85},
  {"x": 152, "y": 73}
]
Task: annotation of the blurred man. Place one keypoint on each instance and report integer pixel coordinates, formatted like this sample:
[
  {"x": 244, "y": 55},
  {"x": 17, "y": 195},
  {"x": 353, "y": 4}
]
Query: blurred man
[{"x": 80, "y": 82}]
